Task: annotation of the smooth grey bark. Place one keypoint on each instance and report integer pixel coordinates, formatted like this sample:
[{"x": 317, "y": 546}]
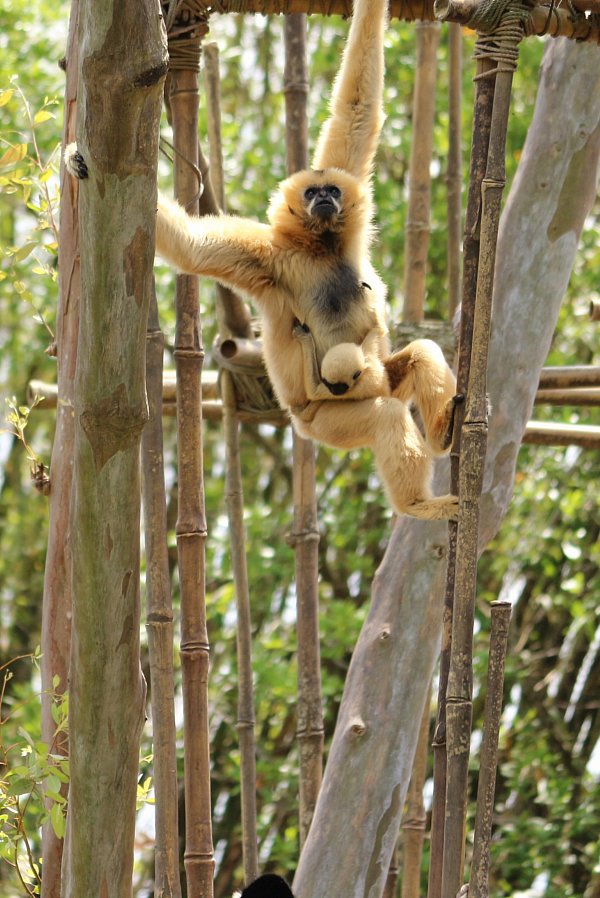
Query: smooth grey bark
[
  {"x": 122, "y": 57},
  {"x": 356, "y": 820}
]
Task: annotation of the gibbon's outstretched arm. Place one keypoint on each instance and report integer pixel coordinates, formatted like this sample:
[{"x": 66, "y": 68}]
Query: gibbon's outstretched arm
[
  {"x": 348, "y": 138},
  {"x": 237, "y": 252}
]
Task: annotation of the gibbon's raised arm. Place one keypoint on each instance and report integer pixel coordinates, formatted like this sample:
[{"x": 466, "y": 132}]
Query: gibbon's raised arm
[
  {"x": 237, "y": 252},
  {"x": 349, "y": 137}
]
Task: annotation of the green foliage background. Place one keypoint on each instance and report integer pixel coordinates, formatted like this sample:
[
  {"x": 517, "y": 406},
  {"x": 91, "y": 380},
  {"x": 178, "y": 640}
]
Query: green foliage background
[{"x": 545, "y": 557}]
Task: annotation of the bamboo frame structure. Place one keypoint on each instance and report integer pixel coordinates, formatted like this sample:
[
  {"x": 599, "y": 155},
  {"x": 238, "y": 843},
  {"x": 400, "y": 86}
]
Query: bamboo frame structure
[
  {"x": 305, "y": 531},
  {"x": 191, "y": 529},
  {"x": 159, "y": 621},
  {"x": 234, "y": 498},
  {"x": 482, "y": 834},
  {"x": 418, "y": 226}
]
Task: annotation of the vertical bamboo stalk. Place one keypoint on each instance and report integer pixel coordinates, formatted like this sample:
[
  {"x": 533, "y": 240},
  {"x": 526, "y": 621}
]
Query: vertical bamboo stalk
[
  {"x": 245, "y": 710},
  {"x": 234, "y": 496},
  {"x": 482, "y": 116},
  {"x": 454, "y": 175},
  {"x": 57, "y": 602},
  {"x": 480, "y": 865},
  {"x": 415, "y": 818},
  {"x": 159, "y": 622},
  {"x": 232, "y": 312},
  {"x": 473, "y": 445},
  {"x": 419, "y": 195},
  {"x": 191, "y": 522},
  {"x": 305, "y": 534}
]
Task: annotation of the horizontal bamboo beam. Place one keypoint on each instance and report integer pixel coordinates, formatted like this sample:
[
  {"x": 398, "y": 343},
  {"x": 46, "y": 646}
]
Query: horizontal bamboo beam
[
  {"x": 537, "y": 432},
  {"x": 578, "y": 396},
  {"x": 543, "y": 433},
  {"x": 560, "y": 378},
  {"x": 399, "y": 9},
  {"x": 544, "y": 19}
]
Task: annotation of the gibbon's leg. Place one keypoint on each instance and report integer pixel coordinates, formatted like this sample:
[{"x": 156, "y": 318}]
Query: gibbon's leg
[
  {"x": 420, "y": 372},
  {"x": 401, "y": 455}
]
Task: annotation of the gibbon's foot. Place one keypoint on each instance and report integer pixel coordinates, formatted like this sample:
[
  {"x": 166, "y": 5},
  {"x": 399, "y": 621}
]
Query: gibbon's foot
[
  {"x": 74, "y": 162},
  {"x": 440, "y": 508},
  {"x": 451, "y": 414},
  {"x": 441, "y": 436}
]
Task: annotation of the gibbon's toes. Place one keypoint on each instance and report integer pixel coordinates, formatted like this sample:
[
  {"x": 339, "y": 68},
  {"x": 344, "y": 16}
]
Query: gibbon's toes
[
  {"x": 440, "y": 508},
  {"x": 441, "y": 438},
  {"x": 75, "y": 163}
]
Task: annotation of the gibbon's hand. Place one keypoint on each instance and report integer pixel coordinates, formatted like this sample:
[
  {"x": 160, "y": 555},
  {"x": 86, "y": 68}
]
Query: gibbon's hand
[
  {"x": 74, "y": 162},
  {"x": 301, "y": 332}
]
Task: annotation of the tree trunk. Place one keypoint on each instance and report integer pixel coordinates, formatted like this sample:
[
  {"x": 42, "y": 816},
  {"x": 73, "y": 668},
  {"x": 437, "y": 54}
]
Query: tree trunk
[
  {"x": 57, "y": 602},
  {"x": 122, "y": 65},
  {"x": 371, "y": 754}
]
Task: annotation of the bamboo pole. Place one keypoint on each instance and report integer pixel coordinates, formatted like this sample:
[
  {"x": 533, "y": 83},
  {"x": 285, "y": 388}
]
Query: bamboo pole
[
  {"x": 572, "y": 376},
  {"x": 454, "y": 177},
  {"x": 488, "y": 755},
  {"x": 419, "y": 190},
  {"x": 415, "y": 819},
  {"x": 305, "y": 531},
  {"x": 484, "y": 95},
  {"x": 191, "y": 522},
  {"x": 473, "y": 445},
  {"x": 542, "y": 433},
  {"x": 159, "y": 622},
  {"x": 234, "y": 497}
]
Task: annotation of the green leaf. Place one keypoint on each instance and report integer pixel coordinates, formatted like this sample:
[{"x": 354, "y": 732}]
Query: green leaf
[
  {"x": 14, "y": 154},
  {"x": 6, "y": 96},
  {"x": 42, "y": 116},
  {"x": 57, "y": 820}
]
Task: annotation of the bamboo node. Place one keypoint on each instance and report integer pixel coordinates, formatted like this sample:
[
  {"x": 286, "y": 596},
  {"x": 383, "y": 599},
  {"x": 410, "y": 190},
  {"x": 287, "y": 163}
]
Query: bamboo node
[
  {"x": 188, "y": 353},
  {"x": 297, "y": 537}
]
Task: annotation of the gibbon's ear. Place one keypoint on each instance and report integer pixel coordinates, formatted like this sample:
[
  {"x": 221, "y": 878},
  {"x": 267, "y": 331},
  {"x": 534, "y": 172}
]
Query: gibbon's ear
[{"x": 269, "y": 885}]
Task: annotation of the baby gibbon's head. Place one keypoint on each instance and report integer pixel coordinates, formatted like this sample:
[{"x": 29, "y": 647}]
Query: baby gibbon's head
[
  {"x": 318, "y": 201},
  {"x": 341, "y": 367}
]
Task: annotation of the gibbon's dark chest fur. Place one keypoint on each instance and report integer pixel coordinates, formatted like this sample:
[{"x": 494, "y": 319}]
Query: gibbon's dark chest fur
[{"x": 338, "y": 291}]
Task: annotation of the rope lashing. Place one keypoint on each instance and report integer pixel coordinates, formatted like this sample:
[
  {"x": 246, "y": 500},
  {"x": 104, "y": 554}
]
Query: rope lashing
[
  {"x": 186, "y": 23},
  {"x": 500, "y": 24}
]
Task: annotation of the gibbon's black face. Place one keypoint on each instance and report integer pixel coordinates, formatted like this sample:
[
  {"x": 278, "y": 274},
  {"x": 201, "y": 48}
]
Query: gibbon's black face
[
  {"x": 269, "y": 885},
  {"x": 323, "y": 200}
]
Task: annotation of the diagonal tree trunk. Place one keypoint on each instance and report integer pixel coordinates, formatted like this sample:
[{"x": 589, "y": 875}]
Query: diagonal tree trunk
[
  {"x": 122, "y": 66},
  {"x": 371, "y": 754}
]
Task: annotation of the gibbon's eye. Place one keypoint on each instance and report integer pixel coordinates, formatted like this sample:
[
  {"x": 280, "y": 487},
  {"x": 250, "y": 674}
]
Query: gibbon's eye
[
  {"x": 310, "y": 193},
  {"x": 333, "y": 191},
  {"x": 356, "y": 375}
]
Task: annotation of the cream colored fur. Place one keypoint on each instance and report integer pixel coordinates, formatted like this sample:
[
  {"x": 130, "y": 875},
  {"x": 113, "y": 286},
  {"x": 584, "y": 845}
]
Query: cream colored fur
[{"x": 300, "y": 267}]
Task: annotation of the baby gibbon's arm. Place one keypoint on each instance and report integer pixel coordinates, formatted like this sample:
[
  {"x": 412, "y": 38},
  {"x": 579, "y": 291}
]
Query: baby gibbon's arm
[
  {"x": 236, "y": 252},
  {"x": 348, "y": 138},
  {"x": 315, "y": 388}
]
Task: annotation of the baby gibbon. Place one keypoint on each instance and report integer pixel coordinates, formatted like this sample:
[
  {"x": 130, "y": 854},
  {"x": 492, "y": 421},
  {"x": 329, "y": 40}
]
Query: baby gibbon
[{"x": 311, "y": 264}]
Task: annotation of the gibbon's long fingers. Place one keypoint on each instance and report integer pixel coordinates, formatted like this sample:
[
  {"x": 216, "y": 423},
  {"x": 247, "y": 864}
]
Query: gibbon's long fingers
[
  {"x": 235, "y": 251},
  {"x": 440, "y": 508},
  {"x": 349, "y": 137}
]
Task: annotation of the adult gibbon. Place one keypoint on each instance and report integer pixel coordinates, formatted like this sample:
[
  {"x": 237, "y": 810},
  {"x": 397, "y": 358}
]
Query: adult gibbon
[{"x": 310, "y": 264}]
